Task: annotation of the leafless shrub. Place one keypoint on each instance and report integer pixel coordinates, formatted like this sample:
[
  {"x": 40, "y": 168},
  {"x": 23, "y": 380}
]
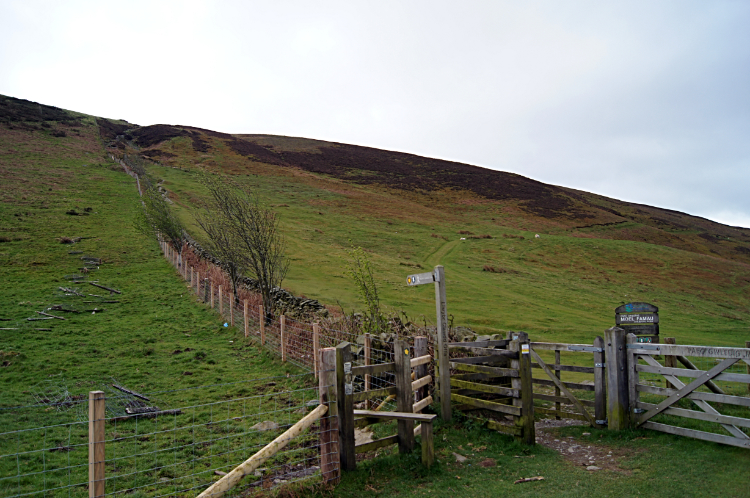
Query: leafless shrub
[{"x": 244, "y": 233}]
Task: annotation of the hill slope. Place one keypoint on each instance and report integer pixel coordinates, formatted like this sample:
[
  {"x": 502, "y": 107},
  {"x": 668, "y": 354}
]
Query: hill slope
[
  {"x": 540, "y": 205},
  {"x": 409, "y": 212}
]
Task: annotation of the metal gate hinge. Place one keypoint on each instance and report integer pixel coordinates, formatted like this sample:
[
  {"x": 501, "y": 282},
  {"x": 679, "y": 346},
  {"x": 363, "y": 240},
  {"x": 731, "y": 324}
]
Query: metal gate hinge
[
  {"x": 641, "y": 345},
  {"x": 602, "y": 422},
  {"x": 639, "y": 410},
  {"x": 598, "y": 365},
  {"x": 590, "y": 349}
]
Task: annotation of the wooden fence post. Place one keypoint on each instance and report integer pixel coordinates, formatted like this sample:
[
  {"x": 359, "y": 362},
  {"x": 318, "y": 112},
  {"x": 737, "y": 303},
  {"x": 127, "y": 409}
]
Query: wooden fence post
[
  {"x": 420, "y": 349},
  {"x": 316, "y": 349},
  {"x": 96, "y": 443},
  {"x": 523, "y": 383},
  {"x": 404, "y": 395},
  {"x": 442, "y": 349},
  {"x": 205, "y": 290},
  {"x": 618, "y": 402},
  {"x": 600, "y": 384},
  {"x": 368, "y": 359},
  {"x": 198, "y": 283},
  {"x": 221, "y": 303},
  {"x": 192, "y": 277},
  {"x": 670, "y": 361},
  {"x": 262, "y": 318},
  {"x": 282, "y": 339},
  {"x": 558, "y": 374},
  {"x": 244, "y": 314},
  {"x": 231, "y": 308},
  {"x": 747, "y": 345},
  {"x": 329, "y": 428},
  {"x": 212, "y": 294},
  {"x": 345, "y": 406}
]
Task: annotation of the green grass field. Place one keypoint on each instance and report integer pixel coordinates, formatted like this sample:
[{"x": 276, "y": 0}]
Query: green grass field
[{"x": 559, "y": 287}]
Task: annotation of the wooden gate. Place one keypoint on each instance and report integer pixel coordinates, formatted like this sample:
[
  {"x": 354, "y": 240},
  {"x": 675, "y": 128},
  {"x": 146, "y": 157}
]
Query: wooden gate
[
  {"x": 495, "y": 376},
  {"x": 564, "y": 391},
  {"x": 650, "y": 403}
]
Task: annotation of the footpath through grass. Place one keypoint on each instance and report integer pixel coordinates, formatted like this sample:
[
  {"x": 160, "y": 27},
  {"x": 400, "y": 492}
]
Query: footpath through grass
[{"x": 643, "y": 463}]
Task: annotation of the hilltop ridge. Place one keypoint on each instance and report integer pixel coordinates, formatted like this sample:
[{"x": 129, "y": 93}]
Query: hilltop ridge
[{"x": 541, "y": 206}]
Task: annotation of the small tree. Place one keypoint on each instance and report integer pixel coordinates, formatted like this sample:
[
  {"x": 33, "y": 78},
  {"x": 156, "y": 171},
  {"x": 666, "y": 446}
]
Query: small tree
[
  {"x": 157, "y": 218},
  {"x": 222, "y": 241},
  {"x": 249, "y": 232},
  {"x": 360, "y": 271}
]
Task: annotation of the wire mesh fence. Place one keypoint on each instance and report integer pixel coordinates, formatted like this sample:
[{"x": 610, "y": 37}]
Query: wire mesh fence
[
  {"x": 293, "y": 340},
  {"x": 176, "y": 452}
]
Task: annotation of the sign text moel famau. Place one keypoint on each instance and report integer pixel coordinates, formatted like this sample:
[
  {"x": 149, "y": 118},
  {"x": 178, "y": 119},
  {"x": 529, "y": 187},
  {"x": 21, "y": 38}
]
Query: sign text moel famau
[{"x": 641, "y": 319}]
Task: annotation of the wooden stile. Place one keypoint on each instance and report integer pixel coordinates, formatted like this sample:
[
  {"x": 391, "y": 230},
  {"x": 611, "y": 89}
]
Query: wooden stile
[
  {"x": 420, "y": 371},
  {"x": 404, "y": 396},
  {"x": 282, "y": 338},
  {"x": 244, "y": 316},
  {"x": 96, "y": 444}
]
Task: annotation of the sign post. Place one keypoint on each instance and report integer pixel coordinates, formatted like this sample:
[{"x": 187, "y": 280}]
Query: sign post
[
  {"x": 444, "y": 380},
  {"x": 641, "y": 319}
]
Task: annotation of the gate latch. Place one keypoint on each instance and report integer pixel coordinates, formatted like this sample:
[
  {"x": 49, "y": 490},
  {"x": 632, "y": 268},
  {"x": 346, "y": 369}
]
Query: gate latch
[
  {"x": 602, "y": 422},
  {"x": 598, "y": 365}
]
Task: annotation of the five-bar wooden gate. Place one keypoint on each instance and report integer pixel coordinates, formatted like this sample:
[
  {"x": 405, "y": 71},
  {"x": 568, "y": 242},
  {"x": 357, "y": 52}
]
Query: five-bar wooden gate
[{"x": 642, "y": 359}]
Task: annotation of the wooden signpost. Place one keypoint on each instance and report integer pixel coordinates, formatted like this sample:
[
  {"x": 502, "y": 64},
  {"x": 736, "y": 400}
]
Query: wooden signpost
[
  {"x": 641, "y": 319},
  {"x": 444, "y": 380}
]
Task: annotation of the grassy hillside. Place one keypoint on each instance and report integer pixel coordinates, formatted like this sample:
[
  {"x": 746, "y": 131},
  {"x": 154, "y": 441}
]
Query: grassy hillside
[
  {"x": 563, "y": 286},
  {"x": 135, "y": 340},
  {"x": 410, "y": 213}
]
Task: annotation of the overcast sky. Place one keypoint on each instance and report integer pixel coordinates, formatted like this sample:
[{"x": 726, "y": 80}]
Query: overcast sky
[{"x": 642, "y": 101}]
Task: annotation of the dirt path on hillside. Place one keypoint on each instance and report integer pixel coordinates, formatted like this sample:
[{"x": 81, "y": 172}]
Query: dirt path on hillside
[
  {"x": 583, "y": 452},
  {"x": 434, "y": 258}
]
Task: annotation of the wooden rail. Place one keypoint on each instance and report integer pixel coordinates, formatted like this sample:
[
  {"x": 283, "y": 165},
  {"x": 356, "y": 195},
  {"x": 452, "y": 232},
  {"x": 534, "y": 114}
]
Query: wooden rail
[
  {"x": 677, "y": 389},
  {"x": 227, "y": 482},
  {"x": 406, "y": 414}
]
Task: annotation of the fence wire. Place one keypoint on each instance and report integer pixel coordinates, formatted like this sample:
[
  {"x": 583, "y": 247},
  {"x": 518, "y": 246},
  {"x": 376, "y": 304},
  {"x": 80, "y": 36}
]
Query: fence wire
[
  {"x": 174, "y": 453},
  {"x": 297, "y": 346}
]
